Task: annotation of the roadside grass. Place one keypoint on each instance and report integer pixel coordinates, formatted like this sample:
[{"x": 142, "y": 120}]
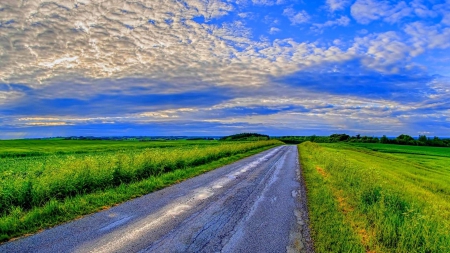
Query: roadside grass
[
  {"x": 362, "y": 200},
  {"x": 40, "y": 192}
]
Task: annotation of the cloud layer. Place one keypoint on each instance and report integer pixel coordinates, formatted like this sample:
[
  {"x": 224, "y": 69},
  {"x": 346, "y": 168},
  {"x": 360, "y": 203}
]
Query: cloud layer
[{"x": 222, "y": 66}]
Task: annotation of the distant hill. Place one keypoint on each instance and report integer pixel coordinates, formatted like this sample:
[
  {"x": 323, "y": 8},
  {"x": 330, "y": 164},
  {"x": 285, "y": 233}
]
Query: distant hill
[{"x": 245, "y": 137}]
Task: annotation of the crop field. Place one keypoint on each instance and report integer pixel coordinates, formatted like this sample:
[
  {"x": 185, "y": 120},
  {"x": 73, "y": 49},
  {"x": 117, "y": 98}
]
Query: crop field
[
  {"x": 46, "y": 182},
  {"x": 377, "y": 197},
  {"x": 25, "y": 148}
]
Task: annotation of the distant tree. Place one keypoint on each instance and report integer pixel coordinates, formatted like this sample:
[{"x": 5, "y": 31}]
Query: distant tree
[
  {"x": 339, "y": 137},
  {"x": 384, "y": 139},
  {"x": 423, "y": 138},
  {"x": 446, "y": 142},
  {"x": 404, "y": 139},
  {"x": 437, "y": 142},
  {"x": 401, "y": 139}
]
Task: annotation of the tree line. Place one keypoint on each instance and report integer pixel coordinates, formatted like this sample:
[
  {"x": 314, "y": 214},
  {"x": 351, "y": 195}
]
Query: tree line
[{"x": 402, "y": 139}]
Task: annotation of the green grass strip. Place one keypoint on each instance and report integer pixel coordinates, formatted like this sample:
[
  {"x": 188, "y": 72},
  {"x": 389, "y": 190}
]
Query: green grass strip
[
  {"x": 329, "y": 230},
  {"x": 55, "y": 212}
]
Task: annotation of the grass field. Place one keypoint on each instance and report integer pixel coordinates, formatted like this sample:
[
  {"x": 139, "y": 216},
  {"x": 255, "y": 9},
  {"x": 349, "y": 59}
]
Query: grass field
[
  {"x": 47, "y": 182},
  {"x": 378, "y": 198},
  {"x": 33, "y": 147}
]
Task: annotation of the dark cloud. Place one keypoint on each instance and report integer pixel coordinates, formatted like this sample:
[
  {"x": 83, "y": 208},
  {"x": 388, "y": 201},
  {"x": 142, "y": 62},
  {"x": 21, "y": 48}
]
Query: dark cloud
[
  {"x": 350, "y": 79},
  {"x": 113, "y": 104}
]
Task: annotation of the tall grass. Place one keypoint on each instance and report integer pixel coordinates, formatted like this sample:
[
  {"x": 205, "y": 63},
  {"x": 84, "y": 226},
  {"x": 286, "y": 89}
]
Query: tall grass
[
  {"x": 32, "y": 182},
  {"x": 362, "y": 200}
]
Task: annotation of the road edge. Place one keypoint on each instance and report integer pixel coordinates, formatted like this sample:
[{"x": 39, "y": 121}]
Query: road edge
[{"x": 299, "y": 236}]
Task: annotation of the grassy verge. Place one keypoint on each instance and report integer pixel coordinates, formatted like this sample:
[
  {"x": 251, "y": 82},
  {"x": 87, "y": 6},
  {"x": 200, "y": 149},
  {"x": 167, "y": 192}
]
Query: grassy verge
[
  {"x": 366, "y": 201},
  {"x": 20, "y": 221},
  {"x": 329, "y": 229}
]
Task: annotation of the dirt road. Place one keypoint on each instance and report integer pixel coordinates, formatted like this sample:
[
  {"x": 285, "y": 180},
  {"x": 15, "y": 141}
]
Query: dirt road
[{"x": 254, "y": 205}]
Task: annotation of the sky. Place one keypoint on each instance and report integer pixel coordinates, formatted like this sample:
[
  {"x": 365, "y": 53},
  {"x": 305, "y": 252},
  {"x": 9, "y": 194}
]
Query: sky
[{"x": 219, "y": 67}]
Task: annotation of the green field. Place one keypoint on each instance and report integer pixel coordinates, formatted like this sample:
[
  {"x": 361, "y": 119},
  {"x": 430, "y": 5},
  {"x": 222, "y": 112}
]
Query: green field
[
  {"x": 34, "y": 147},
  {"x": 46, "y": 182},
  {"x": 377, "y": 197}
]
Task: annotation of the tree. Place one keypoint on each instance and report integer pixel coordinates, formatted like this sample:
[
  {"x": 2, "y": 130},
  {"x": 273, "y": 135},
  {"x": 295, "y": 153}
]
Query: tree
[
  {"x": 384, "y": 139},
  {"x": 404, "y": 139},
  {"x": 437, "y": 142},
  {"x": 423, "y": 138},
  {"x": 339, "y": 137}
]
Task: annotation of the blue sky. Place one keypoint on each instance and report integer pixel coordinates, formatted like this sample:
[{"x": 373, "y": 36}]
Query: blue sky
[{"x": 198, "y": 67}]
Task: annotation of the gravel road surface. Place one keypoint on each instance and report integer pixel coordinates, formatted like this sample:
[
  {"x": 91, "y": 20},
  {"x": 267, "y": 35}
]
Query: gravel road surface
[{"x": 257, "y": 204}]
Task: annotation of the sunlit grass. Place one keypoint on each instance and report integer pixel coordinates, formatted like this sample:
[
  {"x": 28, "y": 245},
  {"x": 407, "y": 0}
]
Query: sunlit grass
[{"x": 377, "y": 201}]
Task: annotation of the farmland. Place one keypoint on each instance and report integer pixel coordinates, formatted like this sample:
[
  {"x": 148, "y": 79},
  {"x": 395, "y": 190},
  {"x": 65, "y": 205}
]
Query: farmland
[
  {"x": 46, "y": 182},
  {"x": 367, "y": 197},
  {"x": 34, "y": 147}
]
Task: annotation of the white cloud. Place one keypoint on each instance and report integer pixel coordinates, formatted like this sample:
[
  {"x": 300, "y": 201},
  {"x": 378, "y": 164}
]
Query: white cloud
[
  {"x": 382, "y": 52},
  {"x": 9, "y": 96},
  {"x": 363, "y": 32},
  {"x": 397, "y": 13},
  {"x": 446, "y": 19},
  {"x": 337, "y": 42},
  {"x": 245, "y": 14},
  {"x": 342, "y": 21},
  {"x": 63, "y": 60},
  {"x": 366, "y": 11},
  {"x": 268, "y": 2},
  {"x": 337, "y": 5},
  {"x": 209, "y": 9},
  {"x": 92, "y": 42},
  {"x": 274, "y": 30},
  {"x": 332, "y": 111},
  {"x": 113, "y": 40},
  {"x": 264, "y": 2},
  {"x": 444, "y": 10},
  {"x": 422, "y": 10},
  {"x": 58, "y": 123},
  {"x": 425, "y": 37},
  {"x": 295, "y": 17}
]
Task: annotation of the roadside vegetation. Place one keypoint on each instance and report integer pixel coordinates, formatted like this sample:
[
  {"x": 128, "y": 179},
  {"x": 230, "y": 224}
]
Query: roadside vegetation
[
  {"x": 377, "y": 198},
  {"x": 41, "y": 188},
  {"x": 402, "y": 139}
]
